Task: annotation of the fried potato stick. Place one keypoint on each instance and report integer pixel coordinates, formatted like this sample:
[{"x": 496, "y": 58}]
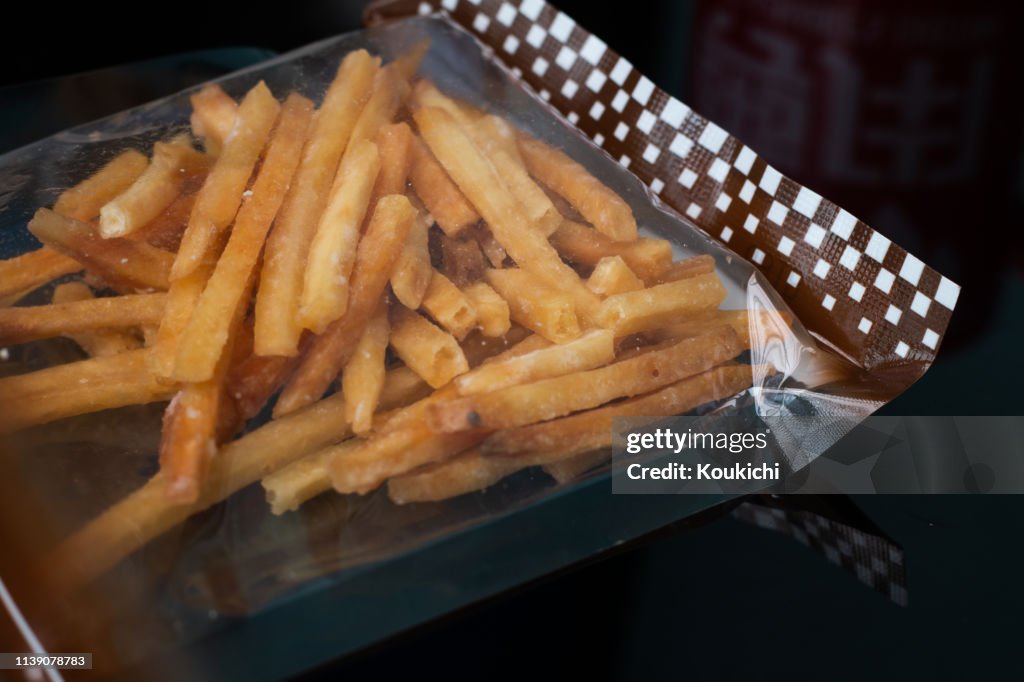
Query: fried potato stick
[
  {"x": 221, "y": 194},
  {"x": 281, "y": 277},
  {"x": 97, "y": 343},
  {"x": 559, "y": 396},
  {"x": 30, "y": 323}
]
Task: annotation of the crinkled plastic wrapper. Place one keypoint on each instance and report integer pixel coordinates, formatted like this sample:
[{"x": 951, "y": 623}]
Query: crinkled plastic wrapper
[{"x": 233, "y": 561}]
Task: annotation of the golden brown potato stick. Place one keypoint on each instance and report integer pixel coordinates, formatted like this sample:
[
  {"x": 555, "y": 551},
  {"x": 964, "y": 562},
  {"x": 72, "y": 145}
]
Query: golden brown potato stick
[
  {"x": 361, "y": 470},
  {"x": 24, "y": 273},
  {"x": 77, "y": 388},
  {"x": 213, "y": 117},
  {"x": 181, "y": 301},
  {"x": 124, "y": 264},
  {"x": 29, "y": 323},
  {"x": 187, "y": 439},
  {"x": 363, "y": 376},
  {"x": 388, "y": 92},
  {"x": 84, "y": 200},
  {"x": 557, "y": 397},
  {"x": 429, "y": 351},
  {"x": 465, "y": 473},
  {"x": 647, "y": 257},
  {"x": 765, "y": 322},
  {"x": 411, "y": 272},
  {"x": 476, "y": 178},
  {"x": 99, "y": 343},
  {"x": 375, "y": 258},
  {"x": 394, "y": 144},
  {"x": 425, "y": 95},
  {"x": 596, "y": 348},
  {"x": 449, "y": 208},
  {"x": 688, "y": 267},
  {"x": 589, "y": 430},
  {"x": 295, "y": 484},
  {"x": 491, "y": 309},
  {"x": 153, "y": 190},
  {"x": 449, "y": 307},
  {"x": 281, "y": 277},
  {"x": 661, "y": 305},
  {"x": 408, "y": 63},
  {"x": 612, "y": 276},
  {"x": 535, "y": 305},
  {"x": 204, "y": 338},
  {"x": 496, "y": 140},
  {"x": 602, "y": 207},
  {"x": 221, "y": 195},
  {"x": 333, "y": 250}
]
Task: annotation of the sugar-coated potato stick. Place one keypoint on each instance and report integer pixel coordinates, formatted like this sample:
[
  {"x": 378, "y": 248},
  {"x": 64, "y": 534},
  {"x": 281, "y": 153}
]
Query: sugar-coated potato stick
[
  {"x": 281, "y": 277},
  {"x": 603, "y": 208},
  {"x": 388, "y": 92},
  {"x": 78, "y": 388},
  {"x": 429, "y": 351},
  {"x": 536, "y": 305},
  {"x": 303, "y": 480},
  {"x": 221, "y": 194},
  {"x": 375, "y": 258},
  {"x": 333, "y": 250},
  {"x": 465, "y": 473},
  {"x": 494, "y": 251},
  {"x": 557, "y": 397},
  {"x": 204, "y": 338},
  {"x": 123, "y": 264},
  {"x": 478, "y": 181},
  {"x": 97, "y": 343},
  {"x": 84, "y": 200},
  {"x": 394, "y": 144},
  {"x": 647, "y": 257},
  {"x": 612, "y": 276},
  {"x": 496, "y": 140},
  {"x": 450, "y": 209},
  {"x": 253, "y": 380},
  {"x": 165, "y": 231},
  {"x": 363, "y": 376},
  {"x": 403, "y": 441},
  {"x": 187, "y": 439},
  {"x": 29, "y": 323},
  {"x": 596, "y": 348},
  {"x": 295, "y": 484},
  {"x": 213, "y": 117},
  {"x": 492, "y": 311},
  {"x": 425, "y": 94},
  {"x": 688, "y": 267},
  {"x": 412, "y": 270},
  {"x": 449, "y": 306},
  {"x": 593, "y": 429},
  {"x": 360, "y": 470},
  {"x": 661, "y": 304},
  {"x": 462, "y": 260},
  {"x": 182, "y": 298},
  {"x": 24, "y": 273},
  {"x": 144, "y": 515},
  {"x": 568, "y": 470},
  {"x": 153, "y": 190}
]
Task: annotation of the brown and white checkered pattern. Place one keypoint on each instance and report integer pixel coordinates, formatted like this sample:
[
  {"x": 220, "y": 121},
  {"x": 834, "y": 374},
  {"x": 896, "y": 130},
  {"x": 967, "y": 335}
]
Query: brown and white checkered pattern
[{"x": 848, "y": 283}]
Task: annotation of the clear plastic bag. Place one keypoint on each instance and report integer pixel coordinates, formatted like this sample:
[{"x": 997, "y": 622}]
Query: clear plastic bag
[{"x": 237, "y": 560}]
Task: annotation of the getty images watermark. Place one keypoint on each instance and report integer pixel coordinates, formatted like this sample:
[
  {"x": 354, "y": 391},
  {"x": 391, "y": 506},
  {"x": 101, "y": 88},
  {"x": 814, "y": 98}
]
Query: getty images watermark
[{"x": 818, "y": 455}]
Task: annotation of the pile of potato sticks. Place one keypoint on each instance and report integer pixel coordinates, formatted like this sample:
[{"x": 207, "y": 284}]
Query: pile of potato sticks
[{"x": 482, "y": 303}]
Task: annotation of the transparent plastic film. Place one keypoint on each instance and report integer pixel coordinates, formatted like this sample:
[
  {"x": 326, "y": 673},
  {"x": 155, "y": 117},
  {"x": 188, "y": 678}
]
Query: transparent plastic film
[{"x": 278, "y": 333}]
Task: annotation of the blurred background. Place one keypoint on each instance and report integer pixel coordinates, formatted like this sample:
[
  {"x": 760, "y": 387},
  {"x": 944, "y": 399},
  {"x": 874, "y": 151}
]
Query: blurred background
[{"x": 905, "y": 113}]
